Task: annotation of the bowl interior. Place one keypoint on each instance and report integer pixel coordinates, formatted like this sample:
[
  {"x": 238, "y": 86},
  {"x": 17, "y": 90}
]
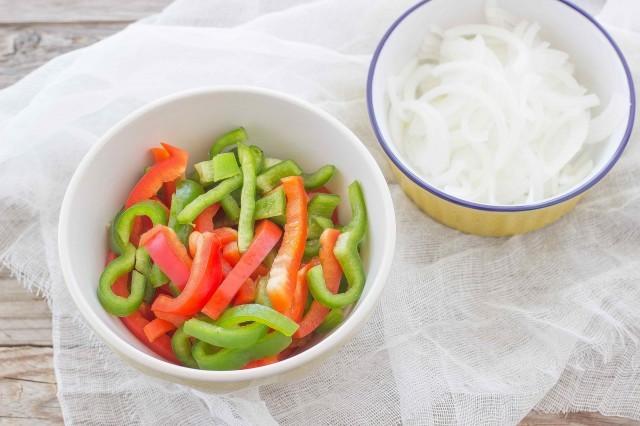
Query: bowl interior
[
  {"x": 598, "y": 65},
  {"x": 282, "y": 128}
]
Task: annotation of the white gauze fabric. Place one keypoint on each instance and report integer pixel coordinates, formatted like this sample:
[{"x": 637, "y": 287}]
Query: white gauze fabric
[{"x": 470, "y": 330}]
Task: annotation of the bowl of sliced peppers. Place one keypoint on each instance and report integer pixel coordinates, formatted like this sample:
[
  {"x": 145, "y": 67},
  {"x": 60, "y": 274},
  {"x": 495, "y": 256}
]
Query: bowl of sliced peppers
[{"x": 224, "y": 235}]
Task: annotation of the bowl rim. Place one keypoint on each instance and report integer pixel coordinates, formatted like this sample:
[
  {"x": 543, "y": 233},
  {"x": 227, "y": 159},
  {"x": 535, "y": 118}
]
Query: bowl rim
[
  {"x": 488, "y": 207},
  {"x": 359, "y": 314}
]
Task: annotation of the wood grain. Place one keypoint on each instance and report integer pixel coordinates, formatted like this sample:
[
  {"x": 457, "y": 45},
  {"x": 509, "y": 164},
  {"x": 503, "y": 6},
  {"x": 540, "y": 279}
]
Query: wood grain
[
  {"x": 23, "y": 48},
  {"x": 38, "y": 11}
]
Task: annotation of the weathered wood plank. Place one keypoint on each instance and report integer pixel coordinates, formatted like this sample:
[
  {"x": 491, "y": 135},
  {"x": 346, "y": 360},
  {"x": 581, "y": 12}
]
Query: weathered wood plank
[
  {"x": 27, "y": 386},
  {"x": 25, "y": 317},
  {"x": 24, "y": 48},
  {"x": 32, "y": 11},
  {"x": 574, "y": 419}
]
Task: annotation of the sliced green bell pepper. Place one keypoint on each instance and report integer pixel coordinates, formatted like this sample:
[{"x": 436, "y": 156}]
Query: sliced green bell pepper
[
  {"x": 274, "y": 204},
  {"x": 210, "y": 358},
  {"x": 150, "y": 208},
  {"x": 270, "y": 178},
  {"x": 346, "y": 251},
  {"x": 122, "y": 265},
  {"x": 315, "y": 180},
  {"x": 260, "y": 314},
  {"x": 214, "y": 195},
  {"x": 181, "y": 345},
  {"x": 186, "y": 191},
  {"x": 225, "y": 337},
  {"x": 248, "y": 197},
  {"x": 226, "y": 140}
]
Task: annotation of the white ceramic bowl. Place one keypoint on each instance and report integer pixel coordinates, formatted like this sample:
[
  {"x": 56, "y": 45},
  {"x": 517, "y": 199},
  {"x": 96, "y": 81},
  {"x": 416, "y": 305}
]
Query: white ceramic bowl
[
  {"x": 283, "y": 127},
  {"x": 600, "y": 66}
]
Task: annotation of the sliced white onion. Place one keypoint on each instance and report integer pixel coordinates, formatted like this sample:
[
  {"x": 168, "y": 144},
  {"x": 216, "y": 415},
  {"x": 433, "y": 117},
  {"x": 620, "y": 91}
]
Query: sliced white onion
[{"x": 493, "y": 114}]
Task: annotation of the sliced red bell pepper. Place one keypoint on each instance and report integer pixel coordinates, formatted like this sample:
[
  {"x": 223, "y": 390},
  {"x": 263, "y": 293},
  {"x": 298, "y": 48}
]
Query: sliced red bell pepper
[
  {"x": 204, "y": 221},
  {"x": 226, "y": 235},
  {"x": 261, "y": 362},
  {"x": 157, "y": 328},
  {"x": 205, "y": 277},
  {"x": 296, "y": 310},
  {"x": 282, "y": 278},
  {"x": 266, "y": 236},
  {"x": 231, "y": 253},
  {"x": 136, "y": 322},
  {"x": 332, "y": 272},
  {"x": 174, "y": 319},
  {"x": 169, "y": 188},
  {"x": 247, "y": 293},
  {"x": 226, "y": 268},
  {"x": 193, "y": 242},
  {"x": 168, "y": 253},
  {"x": 165, "y": 170}
]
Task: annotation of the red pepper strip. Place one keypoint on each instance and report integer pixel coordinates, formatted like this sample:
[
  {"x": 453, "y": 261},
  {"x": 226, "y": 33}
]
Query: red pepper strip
[
  {"x": 282, "y": 279},
  {"x": 137, "y": 321},
  {"x": 159, "y": 154},
  {"x": 266, "y": 236},
  {"x": 226, "y": 235},
  {"x": 162, "y": 345},
  {"x": 332, "y": 272},
  {"x": 231, "y": 254},
  {"x": 157, "y": 328},
  {"x": 204, "y": 221},
  {"x": 193, "y": 242},
  {"x": 168, "y": 253},
  {"x": 247, "y": 293},
  {"x": 166, "y": 170},
  {"x": 226, "y": 268},
  {"x": 296, "y": 310},
  {"x": 169, "y": 188},
  {"x": 206, "y": 275},
  {"x": 261, "y": 362},
  {"x": 174, "y": 319}
]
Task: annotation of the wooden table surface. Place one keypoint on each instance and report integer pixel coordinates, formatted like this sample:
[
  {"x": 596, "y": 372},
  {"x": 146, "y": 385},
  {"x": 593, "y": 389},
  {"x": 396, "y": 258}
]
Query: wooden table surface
[{"x": 31, "y": 33}]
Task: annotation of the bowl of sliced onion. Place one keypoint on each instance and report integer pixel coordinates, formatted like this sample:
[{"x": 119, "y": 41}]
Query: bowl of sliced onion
[{"x": 497, "y": 116}]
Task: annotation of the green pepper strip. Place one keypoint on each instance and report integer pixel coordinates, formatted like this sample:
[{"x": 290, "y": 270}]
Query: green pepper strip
[
  {"x": 248, "y": 197},
  {"x": 315, "y": 180},
  {"x": 346, "y": 251},
  {"x": 156, "y": 277},
  {"x": 231, "y": 208},
  {"x": 270, "y": 162},
  {"x": 323, "y": 205},
  {"x": 194, "y": 208},
  {"x": 143, "y": 261},
  {"x": 331, "y": 321},
  {"x": 115, "y": 242},
  {"x": 311, "y": 249},
  {"x": 112, "y": 303},
  {"x": 152, "y": 209},
  {"x": 260, "y": 314},
  {"x": 226, "y": 140},
  {"x": 258, "y": 157},
  {"x": 262, "y": 297},
  {"x": 234, "y": 359},
  {"x": 225, "y": 337},
  {"x": 186, "y": 192},
  {"x": 274, "y": 204},
  {"x": 224, "y": 166},
  {"x": 181, "y": 345},
  {"x": 270, "y": 178},
  {"x": 320, "y": 206}
]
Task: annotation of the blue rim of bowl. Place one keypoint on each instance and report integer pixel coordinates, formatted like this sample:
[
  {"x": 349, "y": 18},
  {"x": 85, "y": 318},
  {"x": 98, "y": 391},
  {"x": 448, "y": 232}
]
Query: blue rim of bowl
[{"x": 500, "y": 208}]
